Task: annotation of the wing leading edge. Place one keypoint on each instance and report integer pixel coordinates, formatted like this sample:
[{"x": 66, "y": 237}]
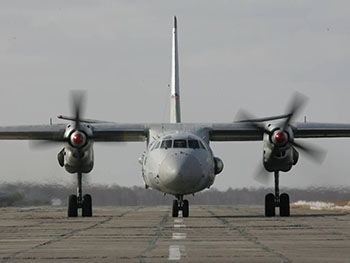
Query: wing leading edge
[{"x": 109, "y": 132}]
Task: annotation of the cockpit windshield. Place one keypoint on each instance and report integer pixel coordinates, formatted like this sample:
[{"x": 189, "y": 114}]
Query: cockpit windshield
[
  {"x": 166, "y": 144},
  {"x": 179, "y": 143},
  {"x": 193, "y": 144}
]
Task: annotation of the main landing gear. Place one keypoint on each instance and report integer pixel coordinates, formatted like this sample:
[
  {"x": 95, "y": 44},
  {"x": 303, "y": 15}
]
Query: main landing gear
[
  {"x": 276, "y": 200},
  {"x": 79, "y": 201},
  {"x": 180, "y": 205}
]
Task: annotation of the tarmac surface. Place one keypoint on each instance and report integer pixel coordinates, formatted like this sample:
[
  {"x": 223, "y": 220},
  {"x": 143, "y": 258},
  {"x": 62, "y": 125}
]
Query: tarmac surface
[{"x": 150, "y": 234}]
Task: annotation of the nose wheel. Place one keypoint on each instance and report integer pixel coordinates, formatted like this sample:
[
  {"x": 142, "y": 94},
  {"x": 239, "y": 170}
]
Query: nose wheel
[
  {"x": 79, "y": 201},
  {"x": 180, "y": 205},
  {"x": 276, "y": 200}
]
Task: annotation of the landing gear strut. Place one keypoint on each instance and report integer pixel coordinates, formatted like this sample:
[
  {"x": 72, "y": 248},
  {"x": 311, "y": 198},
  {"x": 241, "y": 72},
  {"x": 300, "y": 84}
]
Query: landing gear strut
[
  {"x": 180, "y": 205},
  {"x": 276, "y": 200},
  {"x": 79, "y": 201}
]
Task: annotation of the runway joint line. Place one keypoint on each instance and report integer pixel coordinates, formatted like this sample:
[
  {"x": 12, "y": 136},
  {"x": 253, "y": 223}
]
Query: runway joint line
[{"x": 248, "y": 236}]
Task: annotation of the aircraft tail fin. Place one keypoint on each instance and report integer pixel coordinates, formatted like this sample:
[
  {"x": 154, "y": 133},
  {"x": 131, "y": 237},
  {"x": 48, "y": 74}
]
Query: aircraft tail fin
[{"x": 175, "y": 113}]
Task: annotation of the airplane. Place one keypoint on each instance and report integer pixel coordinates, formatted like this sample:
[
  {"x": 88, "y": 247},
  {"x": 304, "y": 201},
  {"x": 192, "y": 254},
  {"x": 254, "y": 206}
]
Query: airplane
[{"x": 178, "y": 159}]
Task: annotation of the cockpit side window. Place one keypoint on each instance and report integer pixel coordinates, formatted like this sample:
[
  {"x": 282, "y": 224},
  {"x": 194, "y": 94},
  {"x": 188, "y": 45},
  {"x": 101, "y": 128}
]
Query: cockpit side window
[
  {"x": 193, "y": 144},
  {"x": 202, "y": 145},
  {"x": 166, "y": 144},
  {"x": 180, "y": 144},
  {"x": 156, "y": 145}
]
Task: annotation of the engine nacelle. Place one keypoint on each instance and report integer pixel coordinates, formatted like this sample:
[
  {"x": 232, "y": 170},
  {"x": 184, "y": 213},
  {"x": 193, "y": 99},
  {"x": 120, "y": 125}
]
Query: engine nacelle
[
  {"x": 279, "y": 153},
  {"x": 219, "y": 165},
  {"x": 77, "y": 156},
  {"x": 74, "y": 160}
]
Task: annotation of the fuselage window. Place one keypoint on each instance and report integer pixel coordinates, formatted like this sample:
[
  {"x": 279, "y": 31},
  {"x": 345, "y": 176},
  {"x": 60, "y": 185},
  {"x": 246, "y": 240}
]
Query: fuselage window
[
  {"x": 180, "y": 144},
  {"x": 166, "y": 144},
  {"x": 193, "y": 144}
]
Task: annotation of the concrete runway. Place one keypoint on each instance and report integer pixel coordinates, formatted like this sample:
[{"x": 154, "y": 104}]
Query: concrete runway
[{"x": 150, "y": 234}]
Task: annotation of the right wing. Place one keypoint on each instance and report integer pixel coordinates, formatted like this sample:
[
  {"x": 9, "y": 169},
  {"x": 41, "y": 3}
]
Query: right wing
[
  {"x": 115, "y": 132},
  {"x": 101, "y": 132},
  {"x": 53, "y": 132}
]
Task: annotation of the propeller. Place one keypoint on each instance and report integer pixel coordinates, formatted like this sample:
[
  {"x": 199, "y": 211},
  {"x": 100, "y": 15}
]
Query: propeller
[
  {"x": 77, "y": 139},
  {"x": 281, "y": 136},
  {"x": 297, "y": 102}
]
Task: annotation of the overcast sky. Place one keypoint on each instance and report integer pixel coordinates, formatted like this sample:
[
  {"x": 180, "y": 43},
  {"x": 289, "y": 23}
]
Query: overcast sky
[{"x": 233, "y": 54}]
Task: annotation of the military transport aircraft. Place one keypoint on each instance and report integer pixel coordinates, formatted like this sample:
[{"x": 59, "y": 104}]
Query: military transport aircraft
[{"x": 178, "y": 159}]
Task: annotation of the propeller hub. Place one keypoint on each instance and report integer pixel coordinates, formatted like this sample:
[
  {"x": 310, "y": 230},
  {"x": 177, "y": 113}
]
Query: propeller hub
[
  {"x": 78, "y": 139},
  {"x": 280, "y": 138}
]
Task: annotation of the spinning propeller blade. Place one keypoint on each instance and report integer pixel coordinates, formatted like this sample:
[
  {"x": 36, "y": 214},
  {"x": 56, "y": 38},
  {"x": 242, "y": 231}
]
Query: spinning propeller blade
[
  {"x": 316, "y": 154},
  {"x": 78, "y": 98},
  {"x": 296, "y": 104}
]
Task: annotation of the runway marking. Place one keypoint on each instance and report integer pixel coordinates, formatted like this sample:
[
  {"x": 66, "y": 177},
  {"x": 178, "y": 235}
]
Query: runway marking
[
  {"x": 179, "y": 226},
  {"x": 178, "y": 236},
  {"x": 176, "y": 251}
]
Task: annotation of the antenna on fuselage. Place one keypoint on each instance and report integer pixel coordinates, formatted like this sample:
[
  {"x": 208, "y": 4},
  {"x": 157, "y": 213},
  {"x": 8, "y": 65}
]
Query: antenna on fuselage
[{"x": 175, "y": 114}]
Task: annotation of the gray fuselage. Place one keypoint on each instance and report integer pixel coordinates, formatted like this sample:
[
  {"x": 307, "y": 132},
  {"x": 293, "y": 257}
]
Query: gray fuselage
[{"x": 178, "y": 163}]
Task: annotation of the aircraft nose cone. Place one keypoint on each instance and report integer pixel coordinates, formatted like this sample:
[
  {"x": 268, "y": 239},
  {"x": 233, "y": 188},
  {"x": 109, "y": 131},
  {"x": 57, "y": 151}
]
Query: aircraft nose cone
[{"x": 180, "y": 172}]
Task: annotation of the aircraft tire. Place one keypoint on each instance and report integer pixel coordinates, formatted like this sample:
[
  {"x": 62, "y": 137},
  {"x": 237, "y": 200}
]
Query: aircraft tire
[
  {"x": 175, "y": 208},
  {"x": 270, "y": 205},
  {"x": 185, "y": 209},
  {"x": 72, "y": 206},
  {"x": 284, "y": 205},
  {"x": 87, "y": 206}
]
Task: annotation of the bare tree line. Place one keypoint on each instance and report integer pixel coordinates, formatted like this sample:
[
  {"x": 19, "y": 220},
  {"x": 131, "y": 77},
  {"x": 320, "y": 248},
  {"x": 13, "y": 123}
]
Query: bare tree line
[{"x": 35, "y": 194}]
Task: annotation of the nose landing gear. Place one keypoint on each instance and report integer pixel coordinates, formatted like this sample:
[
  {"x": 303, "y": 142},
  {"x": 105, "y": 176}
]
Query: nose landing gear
[
  {"x": 79, "y": 201},
  {"x": 180, "y": 205},
  {"x": 276, "y": 200}
]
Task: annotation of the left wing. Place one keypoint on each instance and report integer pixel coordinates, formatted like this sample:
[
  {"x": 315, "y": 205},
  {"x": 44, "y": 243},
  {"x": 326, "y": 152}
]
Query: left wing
[
  {"x": 234, "y": 132},
  {"x": 320, "y": 130},
  {"x": 239, "y": 131}
]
